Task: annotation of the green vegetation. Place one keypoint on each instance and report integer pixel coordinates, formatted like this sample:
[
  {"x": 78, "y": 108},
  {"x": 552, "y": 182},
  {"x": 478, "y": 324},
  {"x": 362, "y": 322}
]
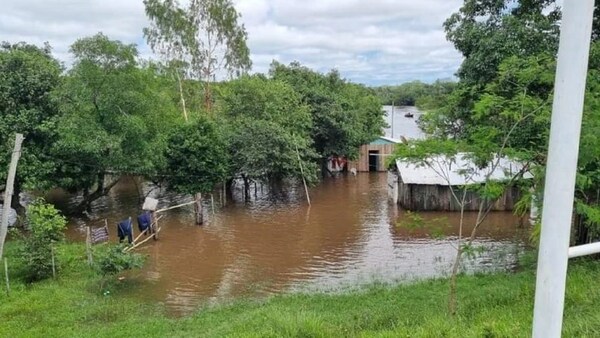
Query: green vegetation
[
  {"x": 416, "y": 93},
  {"x": 113, "y": 114},
  {"x": 111, "y": 259},
  {"x": 506, "y": 80},
  {"x": 46, "y": 227},
  {"x": 497, "y": 305}
]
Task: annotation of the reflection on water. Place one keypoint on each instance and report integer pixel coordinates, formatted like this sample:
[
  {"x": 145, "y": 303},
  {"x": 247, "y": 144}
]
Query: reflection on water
[{"x": 348, "y": 237}]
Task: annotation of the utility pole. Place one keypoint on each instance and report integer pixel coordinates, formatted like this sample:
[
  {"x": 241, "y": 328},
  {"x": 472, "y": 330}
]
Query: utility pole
[
  {"x": 10, "y": 181},
  {"x": 567, "y": 111}
]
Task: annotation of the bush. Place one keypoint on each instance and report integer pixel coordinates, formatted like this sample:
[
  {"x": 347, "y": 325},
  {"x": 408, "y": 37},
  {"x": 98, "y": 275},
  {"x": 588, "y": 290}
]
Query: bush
[
  {"x": 111, "y": 259},
  {"x": 46, "y": 227},
  {"x": 45, "y": 222}
]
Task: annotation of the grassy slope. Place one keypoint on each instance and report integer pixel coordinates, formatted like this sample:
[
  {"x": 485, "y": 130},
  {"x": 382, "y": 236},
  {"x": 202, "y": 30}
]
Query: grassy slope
[{"x": 490, "y": 306}]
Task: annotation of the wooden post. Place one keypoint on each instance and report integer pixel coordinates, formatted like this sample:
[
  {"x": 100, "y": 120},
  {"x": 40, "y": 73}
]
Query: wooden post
[
  {"x": 6, "y": 275},
  {"x": 53, "y": 262},
  {"x": 302, "y": 172},
  {"x": 88, "y": 245},
  {"x": 198, "y": 209},
  {"x": 154, "y": 226},
  {"x": 10, "y": 181}
]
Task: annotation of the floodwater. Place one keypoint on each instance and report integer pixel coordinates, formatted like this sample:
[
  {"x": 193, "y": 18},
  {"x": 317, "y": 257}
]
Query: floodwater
[
  {"x": 276, "y": 243},
  {"x": 401, "y": 126}
]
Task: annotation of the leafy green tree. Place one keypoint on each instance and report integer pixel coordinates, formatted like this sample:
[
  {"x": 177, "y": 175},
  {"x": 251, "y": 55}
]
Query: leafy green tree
[
  {"x": 268, "y": 128},
  {"x": 197, "y": 158},
  {"x": 199, "y": 40},
  {"x": 488, "y": 31},
  {"x": 115, "y": 115},
  {"x": 344, "y": 115},
  {"x": 28, "y": 77}
]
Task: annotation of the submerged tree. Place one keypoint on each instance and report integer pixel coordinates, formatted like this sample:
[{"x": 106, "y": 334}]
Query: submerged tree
[
  {"x": 114, "y": 116},
  {"x": 199, "y": 41},
  {"x": 197, "y": 159},
  {"x": 344, "y": 115},
  {"x": 268, "y": 129}
]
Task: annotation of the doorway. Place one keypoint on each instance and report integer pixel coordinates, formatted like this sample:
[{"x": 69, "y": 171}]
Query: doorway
[{"x": 373, "y": 160}]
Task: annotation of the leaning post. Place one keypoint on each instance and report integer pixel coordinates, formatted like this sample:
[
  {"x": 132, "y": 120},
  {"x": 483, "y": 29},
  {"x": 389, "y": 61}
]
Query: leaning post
[{"x": 10, "y": 181}]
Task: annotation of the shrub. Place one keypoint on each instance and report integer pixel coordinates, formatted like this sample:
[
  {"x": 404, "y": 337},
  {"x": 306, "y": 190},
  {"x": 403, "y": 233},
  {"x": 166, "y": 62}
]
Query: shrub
[
  {"x": 111, "y": 259},
  {"x": 46, "y": 227}
]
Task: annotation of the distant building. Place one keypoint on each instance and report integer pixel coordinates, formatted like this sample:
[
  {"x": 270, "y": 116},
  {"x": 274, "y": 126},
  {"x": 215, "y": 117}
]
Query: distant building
[
  {"x": 373, "y": 156},
  {"x": 422, "y": 188}
]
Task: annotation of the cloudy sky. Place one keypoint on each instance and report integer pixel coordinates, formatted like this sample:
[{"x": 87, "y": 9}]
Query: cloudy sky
[{"x": 373, "y": 42}]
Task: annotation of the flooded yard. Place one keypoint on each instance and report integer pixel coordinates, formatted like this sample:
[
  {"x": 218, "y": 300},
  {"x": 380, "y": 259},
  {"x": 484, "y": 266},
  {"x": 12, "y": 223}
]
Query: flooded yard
[{"x": 276, "y": 243}]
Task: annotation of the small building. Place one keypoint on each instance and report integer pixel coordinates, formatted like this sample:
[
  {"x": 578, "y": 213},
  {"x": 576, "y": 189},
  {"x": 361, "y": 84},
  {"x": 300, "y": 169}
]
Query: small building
[
  {"x": 429, "y": 188},
  {"x": 373, "y": 156}
]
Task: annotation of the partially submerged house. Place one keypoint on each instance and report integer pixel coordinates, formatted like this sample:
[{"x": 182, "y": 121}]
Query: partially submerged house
[
  {"x": 429, "y": 187},
  {"x": 373, "y": 156}
]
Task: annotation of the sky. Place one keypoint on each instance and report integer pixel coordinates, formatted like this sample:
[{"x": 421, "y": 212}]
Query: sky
[{"x": 375, "y": 42}]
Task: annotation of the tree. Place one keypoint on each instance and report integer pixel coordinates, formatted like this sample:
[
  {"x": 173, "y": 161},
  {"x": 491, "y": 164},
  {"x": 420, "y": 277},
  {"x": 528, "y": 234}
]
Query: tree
[
  {"x": 488, "y": 31},
  {"x": 28, "y": 77},
  {"x": 115, "y": 116},
  {"x": 344, "y": 115},
  {"x": 416, "y": 93},
  {"x": 198, "y": 41},
  {"x": 478, "y": 163},
  {"x": 197, "y": 158},
  {"x": 268, "y": 128}
]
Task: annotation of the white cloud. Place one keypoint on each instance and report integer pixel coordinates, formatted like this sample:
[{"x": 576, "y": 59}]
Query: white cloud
[{"x": 373, "y": 42}]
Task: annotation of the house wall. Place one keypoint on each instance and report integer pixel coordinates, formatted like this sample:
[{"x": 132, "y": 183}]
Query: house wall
[
  {"x": 362, "y": 163},
  {"x": 420, "y": 197}
]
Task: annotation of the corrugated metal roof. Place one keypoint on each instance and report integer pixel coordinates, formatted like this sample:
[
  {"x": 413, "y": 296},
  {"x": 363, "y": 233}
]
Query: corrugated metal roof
[
  {"x": 385, "y": 140},
  {"x": 459, "y": 170}
]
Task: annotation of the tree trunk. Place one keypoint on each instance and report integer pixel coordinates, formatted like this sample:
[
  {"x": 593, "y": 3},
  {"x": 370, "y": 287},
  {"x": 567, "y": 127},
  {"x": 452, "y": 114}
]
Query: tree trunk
[
  {"x": 229, "y": 190},
  {"x": 246, "y": 188},
  {"x": 452, "y": 296},
  {"x": 181, "y": 97},
  {"x": 100, "y": 191},
  {"x": 198, "y": 209}
]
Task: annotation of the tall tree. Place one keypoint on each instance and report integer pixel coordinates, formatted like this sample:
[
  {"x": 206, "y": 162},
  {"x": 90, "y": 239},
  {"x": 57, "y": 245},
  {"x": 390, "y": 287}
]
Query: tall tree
[
  {"x": 344, "y": 115},
  {"x": 269, "y": 127},
  {"x": 28, "y": 77},
  {"x": 199, "y": 40},
  {"x": 488, "y": 31},
  {"x": 115, "y": 116},
  {"x": 197, "y": 158}
]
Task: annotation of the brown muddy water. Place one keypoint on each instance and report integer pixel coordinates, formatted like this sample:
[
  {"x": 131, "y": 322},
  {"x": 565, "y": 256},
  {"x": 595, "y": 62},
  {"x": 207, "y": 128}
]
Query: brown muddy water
[{"x": 349, "y": 237}]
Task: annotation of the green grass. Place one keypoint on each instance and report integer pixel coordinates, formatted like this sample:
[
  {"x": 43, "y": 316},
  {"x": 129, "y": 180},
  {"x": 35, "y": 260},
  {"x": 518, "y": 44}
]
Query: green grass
[{"x": 498, "y": 305}]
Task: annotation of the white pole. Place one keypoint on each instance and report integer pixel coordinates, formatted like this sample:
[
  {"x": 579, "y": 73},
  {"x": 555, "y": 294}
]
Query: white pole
[
  {"x": 569, "y": 91},
  {"x": 584, "y": 250}
]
